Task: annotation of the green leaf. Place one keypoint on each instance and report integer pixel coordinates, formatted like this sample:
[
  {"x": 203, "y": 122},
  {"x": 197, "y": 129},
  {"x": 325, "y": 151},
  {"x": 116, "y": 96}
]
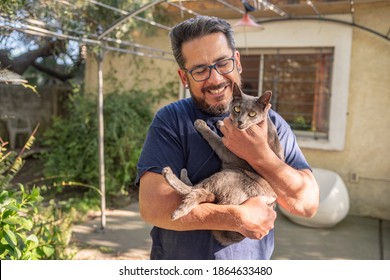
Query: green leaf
[
  {"x": 12, "y": 207},
  {"x": 5, "y": 252},
  {"x": 10, "y": 236},
  {"x": 48, "y": 250},
  {"x": 35, "y": 193},
  {"x": 7, "y": 201},
  {"x": 31, "y": 242},
  {"x": 27, "y": 224},
  {"x": 18, "y": 253},
  {"x": 32, "y": 238},
  {"x": 12, "y": 220},
  {"x": 4, "y": 195}
]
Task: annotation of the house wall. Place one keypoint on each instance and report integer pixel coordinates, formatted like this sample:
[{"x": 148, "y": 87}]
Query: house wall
[
  {"x": 123, "y": 71},
  {"x": 367, "y": 130},
  {"x": 366, "y": 134}
]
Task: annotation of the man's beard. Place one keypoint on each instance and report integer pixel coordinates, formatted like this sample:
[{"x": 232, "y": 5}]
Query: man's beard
[{"x": 212, "y": 110}]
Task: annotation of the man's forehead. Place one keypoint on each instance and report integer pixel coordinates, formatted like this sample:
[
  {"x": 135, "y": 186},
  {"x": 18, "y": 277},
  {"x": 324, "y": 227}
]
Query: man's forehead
[{"x": 206, "y": 50}]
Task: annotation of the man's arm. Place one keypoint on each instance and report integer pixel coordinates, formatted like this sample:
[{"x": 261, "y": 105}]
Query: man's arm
[
  {"x": 157, "y": 201},
  {"x": 297, "y": 190}
]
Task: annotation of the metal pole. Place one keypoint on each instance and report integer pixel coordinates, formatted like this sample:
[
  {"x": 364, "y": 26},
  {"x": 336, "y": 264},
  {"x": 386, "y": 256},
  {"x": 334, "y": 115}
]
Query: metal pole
[
  {"x": 102, "y": 186},
  {"x": 129, "y": 16}
]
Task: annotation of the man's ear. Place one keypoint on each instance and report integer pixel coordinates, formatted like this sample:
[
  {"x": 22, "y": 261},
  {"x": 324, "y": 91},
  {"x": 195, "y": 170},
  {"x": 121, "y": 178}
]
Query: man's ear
[
  {"x": 238, "y": 62},
  {"x": 183, "y": 77}
]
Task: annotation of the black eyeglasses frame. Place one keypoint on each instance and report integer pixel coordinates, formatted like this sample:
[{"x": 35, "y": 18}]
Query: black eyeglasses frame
[{"x": 213, "y": 66}]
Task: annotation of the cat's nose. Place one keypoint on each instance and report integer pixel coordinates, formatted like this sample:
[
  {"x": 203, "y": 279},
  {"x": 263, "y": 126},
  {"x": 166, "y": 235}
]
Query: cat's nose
[{"x": 239, "y": 123}]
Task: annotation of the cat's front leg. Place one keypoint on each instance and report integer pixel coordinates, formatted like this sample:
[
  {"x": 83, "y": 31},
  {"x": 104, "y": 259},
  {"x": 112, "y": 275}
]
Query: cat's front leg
[
  {"x": 220, "y": 124},
  {"x": 215, "y": 141},
  {"x": 202, "y": 127},
  {"x": 210, "y": 136}
]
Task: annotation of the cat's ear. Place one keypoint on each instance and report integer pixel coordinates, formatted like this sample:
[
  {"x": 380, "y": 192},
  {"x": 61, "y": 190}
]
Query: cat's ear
[
  {"x": 237, "y": 93},
  {"x": 265, "y": 98}
]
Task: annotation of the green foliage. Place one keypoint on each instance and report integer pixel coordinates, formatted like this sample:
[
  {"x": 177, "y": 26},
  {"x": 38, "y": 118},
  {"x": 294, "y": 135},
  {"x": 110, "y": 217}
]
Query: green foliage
[
  {"x": 26, "y": 234},
  {"x": 299, "y": 123},
  {"x": 10, "y": 7},
  {"x": 28, "y": 231},
  {"x": 72, "y": 141},
  {"x": 17, "y": 211}
]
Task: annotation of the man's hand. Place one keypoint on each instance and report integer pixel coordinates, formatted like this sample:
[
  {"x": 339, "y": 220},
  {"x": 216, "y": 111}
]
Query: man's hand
[
  {"x": 297, "y": 190},
  {"x": 247, "y": 144},
  {"x": 257, "y": 218}
]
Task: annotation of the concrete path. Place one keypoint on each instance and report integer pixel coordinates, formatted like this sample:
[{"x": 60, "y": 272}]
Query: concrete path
[
  {"x": 126, "y": 236},
  {"x": 355, "y": 238}
]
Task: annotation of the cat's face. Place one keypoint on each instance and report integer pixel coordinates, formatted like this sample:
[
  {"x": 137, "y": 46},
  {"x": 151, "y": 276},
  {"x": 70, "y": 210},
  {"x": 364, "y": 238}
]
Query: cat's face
[{"x": 246, "y": 110}]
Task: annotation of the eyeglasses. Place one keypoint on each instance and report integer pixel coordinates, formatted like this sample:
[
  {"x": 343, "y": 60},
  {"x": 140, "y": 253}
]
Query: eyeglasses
[{"x": 202, "y": 73}]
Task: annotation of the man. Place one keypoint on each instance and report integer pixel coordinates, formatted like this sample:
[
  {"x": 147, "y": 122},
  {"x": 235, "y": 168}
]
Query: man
[{"x": 208, "y": 62}]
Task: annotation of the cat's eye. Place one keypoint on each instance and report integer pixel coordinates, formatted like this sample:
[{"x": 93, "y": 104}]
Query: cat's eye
[
  {"x": 252, "y": 114},
  {"x": 237, "y": 109}
]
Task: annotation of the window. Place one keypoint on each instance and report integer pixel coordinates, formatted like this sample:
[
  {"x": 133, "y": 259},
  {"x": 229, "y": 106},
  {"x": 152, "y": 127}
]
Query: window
[
  {"x": 323, "y": 53},
  {"x": 300, "y": 80}
]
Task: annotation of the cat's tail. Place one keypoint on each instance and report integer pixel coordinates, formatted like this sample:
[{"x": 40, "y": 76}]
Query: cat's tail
[
  {"x": 191, "y": 196},
  {"x": 175, "y": 182}
]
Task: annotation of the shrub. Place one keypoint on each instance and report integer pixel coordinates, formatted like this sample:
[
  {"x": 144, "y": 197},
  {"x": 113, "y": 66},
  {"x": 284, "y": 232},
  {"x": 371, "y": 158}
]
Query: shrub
[
  {"x": 28, "y": 231},
  {"x": 72, "y": 141}
]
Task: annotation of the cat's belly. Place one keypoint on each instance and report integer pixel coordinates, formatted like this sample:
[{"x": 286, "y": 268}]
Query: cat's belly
[{"x": 234, "y": 186}]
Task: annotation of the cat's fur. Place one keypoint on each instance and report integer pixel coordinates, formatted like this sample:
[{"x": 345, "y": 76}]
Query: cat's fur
[{"x": 237, "y": 181}]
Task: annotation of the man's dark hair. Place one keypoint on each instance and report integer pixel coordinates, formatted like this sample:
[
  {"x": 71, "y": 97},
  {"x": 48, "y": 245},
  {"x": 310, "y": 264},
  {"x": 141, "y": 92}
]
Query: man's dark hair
[{"x": 198, "y": 27}]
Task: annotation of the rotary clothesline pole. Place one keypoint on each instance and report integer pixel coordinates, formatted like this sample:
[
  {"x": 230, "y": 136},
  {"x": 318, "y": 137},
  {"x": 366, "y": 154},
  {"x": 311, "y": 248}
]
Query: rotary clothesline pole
[
  {"x": 102, "y": 185},
  {"x": 99, "y": 58}
]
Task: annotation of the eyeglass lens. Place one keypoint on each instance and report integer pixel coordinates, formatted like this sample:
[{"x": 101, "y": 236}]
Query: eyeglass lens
[{"x": 222, "y": 67}]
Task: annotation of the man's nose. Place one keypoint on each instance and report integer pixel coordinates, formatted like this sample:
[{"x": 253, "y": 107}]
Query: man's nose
[{"x": 215, "y": 77}]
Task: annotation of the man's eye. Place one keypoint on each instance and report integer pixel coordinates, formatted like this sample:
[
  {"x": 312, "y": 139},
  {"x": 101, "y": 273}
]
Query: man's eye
[
  {"x": 199, "y": 71},
  {"x": 237, "y": 109},
  {"x": 222, "y": 64}
]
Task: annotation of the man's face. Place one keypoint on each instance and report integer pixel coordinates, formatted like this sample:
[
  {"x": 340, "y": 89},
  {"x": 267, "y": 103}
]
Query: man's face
[{"x": 212, "y": 95}]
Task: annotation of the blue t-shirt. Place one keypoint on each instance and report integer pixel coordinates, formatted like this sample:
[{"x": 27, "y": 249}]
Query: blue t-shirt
[{"x": 173, "y": 141}]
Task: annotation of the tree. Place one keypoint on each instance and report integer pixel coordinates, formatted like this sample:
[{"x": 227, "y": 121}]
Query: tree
[{"x": 48, "y": 37}]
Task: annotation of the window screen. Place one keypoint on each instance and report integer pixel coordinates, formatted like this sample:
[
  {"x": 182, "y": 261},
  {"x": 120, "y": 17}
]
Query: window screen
[{"x": 300, "y": 80}]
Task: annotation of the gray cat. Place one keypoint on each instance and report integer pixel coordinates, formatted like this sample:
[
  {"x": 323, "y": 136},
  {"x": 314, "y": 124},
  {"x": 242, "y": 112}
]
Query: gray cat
[{"x": 237, "y": 181}]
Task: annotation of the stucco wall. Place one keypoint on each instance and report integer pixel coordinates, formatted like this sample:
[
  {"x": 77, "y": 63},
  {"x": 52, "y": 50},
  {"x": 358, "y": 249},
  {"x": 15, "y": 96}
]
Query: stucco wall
[
  {"x": 124, "y": 71},
  {"x": 367, "y": 134}
]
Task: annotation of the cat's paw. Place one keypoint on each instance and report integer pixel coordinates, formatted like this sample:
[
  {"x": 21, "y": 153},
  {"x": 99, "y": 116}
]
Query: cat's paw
[
  {"x": 220, "y": 124},
  {"x": 166, "y": 171},
  {"x": 200, "y": 124}
]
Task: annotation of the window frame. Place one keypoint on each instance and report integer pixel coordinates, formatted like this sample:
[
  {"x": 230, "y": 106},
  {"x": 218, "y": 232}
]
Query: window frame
[{"x": 261, "y": 54}]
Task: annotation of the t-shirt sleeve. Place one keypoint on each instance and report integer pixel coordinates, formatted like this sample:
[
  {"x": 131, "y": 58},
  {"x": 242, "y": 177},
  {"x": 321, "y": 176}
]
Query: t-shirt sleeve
[
  {"x": 292, "y": 153},
  {"x": 162, "y": 147}
]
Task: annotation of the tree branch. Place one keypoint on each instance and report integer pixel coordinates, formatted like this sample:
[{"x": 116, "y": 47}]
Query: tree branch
[{"x": 20, "y": 64}]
